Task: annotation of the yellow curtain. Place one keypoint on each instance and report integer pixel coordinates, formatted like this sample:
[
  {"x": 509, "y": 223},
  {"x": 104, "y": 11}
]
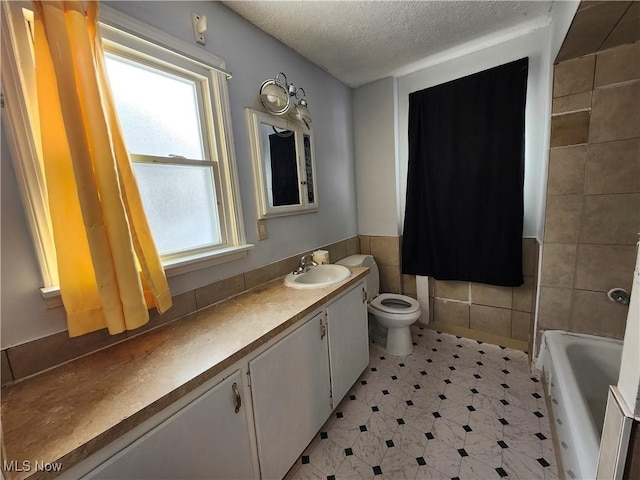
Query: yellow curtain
[{"x": 110, "y": 270}]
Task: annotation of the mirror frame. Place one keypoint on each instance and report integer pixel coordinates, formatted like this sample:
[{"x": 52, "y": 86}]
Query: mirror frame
[{"x": 265, "y": 210}]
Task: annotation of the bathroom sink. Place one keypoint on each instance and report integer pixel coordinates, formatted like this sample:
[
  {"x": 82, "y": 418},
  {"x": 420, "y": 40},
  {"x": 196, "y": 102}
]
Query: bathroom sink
[{"x": 318, "y": 277}]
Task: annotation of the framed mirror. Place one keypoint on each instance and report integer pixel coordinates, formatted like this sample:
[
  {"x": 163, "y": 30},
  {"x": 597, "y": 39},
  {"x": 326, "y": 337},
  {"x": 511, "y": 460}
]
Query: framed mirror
[{"x": 283, "y": 165}]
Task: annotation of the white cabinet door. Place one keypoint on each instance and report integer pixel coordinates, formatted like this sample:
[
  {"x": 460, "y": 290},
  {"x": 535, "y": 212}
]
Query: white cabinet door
[
  {"x": 206, "y": 439},
  {"x": 348, "y": 340},
  {"x": 290, "y": 390}
]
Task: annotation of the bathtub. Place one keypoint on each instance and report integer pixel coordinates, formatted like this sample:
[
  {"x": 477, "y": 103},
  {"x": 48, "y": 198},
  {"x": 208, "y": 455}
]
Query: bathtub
[{"x": 578, "y": 370}]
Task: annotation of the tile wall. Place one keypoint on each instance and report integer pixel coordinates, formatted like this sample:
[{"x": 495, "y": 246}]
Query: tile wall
[
  {"x": 485, "y": 312},
  {"x": 593, "y": 193},
  {"x": 38, "y": 355}
]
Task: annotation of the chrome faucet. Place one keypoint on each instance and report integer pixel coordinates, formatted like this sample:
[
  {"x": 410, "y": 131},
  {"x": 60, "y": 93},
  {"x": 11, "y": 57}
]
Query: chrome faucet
[{"x": 306, "y": 262}]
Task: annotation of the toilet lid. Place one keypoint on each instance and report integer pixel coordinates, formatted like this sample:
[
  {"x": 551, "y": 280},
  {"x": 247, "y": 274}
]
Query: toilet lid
[{"x": 395, "y": 303}]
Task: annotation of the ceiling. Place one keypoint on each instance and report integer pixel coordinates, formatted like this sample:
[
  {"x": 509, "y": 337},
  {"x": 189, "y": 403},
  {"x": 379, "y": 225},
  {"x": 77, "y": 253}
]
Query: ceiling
[{"x": 361, "y": 41}]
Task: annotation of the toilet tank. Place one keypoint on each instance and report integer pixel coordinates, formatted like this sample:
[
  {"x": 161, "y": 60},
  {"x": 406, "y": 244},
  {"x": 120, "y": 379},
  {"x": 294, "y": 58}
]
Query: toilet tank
[{"x": 373, "y": 279}]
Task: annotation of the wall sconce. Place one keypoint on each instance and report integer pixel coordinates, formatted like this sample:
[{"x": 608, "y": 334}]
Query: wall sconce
[{"x": 276, "y": 96}]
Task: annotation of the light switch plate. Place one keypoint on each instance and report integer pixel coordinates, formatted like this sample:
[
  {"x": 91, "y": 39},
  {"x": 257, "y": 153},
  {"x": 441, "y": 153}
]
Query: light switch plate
[{"x": 263, "y": 233}]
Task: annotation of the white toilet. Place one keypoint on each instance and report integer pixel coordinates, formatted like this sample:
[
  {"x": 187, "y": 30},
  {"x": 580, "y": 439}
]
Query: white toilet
[{"x": 392, "y": 313}]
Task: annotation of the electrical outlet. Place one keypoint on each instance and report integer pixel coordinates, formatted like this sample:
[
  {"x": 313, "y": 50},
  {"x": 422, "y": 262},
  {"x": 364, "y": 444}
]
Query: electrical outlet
[{"x": 263, "y": 233}]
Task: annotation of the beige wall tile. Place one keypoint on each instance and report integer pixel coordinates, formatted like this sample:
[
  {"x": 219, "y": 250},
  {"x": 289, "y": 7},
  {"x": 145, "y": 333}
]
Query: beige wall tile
[
  {"x": 569, "y": 129},
  {"x": 261, "y": 275},
  {"x": 613, "y": 167},
  {"x": 558, "y": 265},
  {"x": 562, "y": 222},
  {"x": 386, "y": 250},
  {"x": 603, "y": 267},
  {"x": 611, "y": 219},
  {"x": 566, "y": 170},
  {"x": 451, "y": 290},
  {"x": 5, "y": 375},
  {"x": 47, "y": 352},
  {"x": 491, "y": 295},
  {"x": 183, "y": 304},
  {"x": 620, "y": 64},
  {"x": 352, "y": 245},
  {"x": 409, "y": 285},
  {"x": 287, "y": 265},
  {"x": 218, "y": 291},
  {"x": 615, "y": 114},
  {"x": 337, "y": 251},
  {"x": 626, "y": 30},
  {"x": 555, "y": 308},
  {"x": 520, "y": 325},
  {"x": 365, "y": 244},
  {"x": 452, "y": 313},
  {"x": 389, "y": 279},
  {"x": 595, "y": 314},
  {"x": 590, "y": 28},
  {"x": 491, "y": 320},
  {"x": 529, "y": 256},
  {"x": 573, "y": 76},
  {"x": 571, "y": 103},
  {"x": 523, "y": 296}
]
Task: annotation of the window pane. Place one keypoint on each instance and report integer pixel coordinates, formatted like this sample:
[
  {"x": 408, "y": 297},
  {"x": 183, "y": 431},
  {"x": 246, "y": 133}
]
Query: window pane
[
  {"x": 158, "y": 111},
  {"x": 180, "y": 206}
]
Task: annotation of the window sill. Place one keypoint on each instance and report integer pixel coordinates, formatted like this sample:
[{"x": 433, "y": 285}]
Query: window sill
[{"x": 172, "y": 268}]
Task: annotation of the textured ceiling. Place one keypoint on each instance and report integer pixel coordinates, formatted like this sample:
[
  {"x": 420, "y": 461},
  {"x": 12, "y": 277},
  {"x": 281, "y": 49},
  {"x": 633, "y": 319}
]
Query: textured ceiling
[{"x": 359, "y": 42}]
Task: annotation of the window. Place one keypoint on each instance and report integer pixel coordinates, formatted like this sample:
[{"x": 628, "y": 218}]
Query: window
[{"x": 172, "y": 103}]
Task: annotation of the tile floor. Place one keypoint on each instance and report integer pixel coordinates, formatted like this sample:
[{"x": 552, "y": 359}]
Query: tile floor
[{"x": 454, "y": 409}]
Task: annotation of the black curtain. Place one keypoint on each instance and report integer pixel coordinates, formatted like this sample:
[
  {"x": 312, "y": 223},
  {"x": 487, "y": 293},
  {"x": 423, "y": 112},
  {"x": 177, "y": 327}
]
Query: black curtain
[
  {"x": 284, "y": 169},
  {"x": 464, "y": 208}
]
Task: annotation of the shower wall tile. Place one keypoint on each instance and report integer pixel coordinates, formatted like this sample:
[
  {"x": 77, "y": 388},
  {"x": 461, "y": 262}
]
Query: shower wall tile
[
  {"x": 520, "y": 325},
  {"x": 618, "y": 65},
  {"x": 491, "y": 320},
  {"x": 491, "y": 295},
  {"x": 566, "y": 170},
  {"x": 625, "y": 31},
  {"x": 558, "y": 265},
  {"x": 569, "y": 129},
  {"x": 612, "y": 219},
  {"x": 571, "y": 103},
  {"x": 613, "y": 167},
  {"x": 452, "y": 313},
  {"x": 603, "y": 267},
  {"x": 595, "y": 314},
  {"x": 615, "y": 114},
  {"x": 562, "y": 223},
  {"x": 574, "y": 76},
  {"x": 452, "y": 290},
  {"x": 523, "y": 296},
  {"x": 555, "y": 308}
]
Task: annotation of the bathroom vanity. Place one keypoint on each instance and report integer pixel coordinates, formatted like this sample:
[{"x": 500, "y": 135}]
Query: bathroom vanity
[{"x": 236, "y": 390}]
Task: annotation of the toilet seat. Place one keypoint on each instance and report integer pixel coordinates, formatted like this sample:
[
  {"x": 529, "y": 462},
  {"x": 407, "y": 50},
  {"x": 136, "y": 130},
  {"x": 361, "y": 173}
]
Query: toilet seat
[{"x": 395, "y": 304}]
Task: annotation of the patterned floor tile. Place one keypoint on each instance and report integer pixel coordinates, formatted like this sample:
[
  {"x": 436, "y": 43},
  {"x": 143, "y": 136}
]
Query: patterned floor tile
[{"x": 455, "y": 408}]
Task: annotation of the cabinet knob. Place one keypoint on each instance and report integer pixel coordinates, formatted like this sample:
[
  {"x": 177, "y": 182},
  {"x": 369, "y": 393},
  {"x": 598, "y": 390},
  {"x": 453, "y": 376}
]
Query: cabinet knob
[{"x": 236, "y": 393}]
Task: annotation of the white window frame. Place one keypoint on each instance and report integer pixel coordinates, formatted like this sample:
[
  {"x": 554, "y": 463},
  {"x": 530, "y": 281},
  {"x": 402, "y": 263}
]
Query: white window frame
[{"x": 21, "y": 120}]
